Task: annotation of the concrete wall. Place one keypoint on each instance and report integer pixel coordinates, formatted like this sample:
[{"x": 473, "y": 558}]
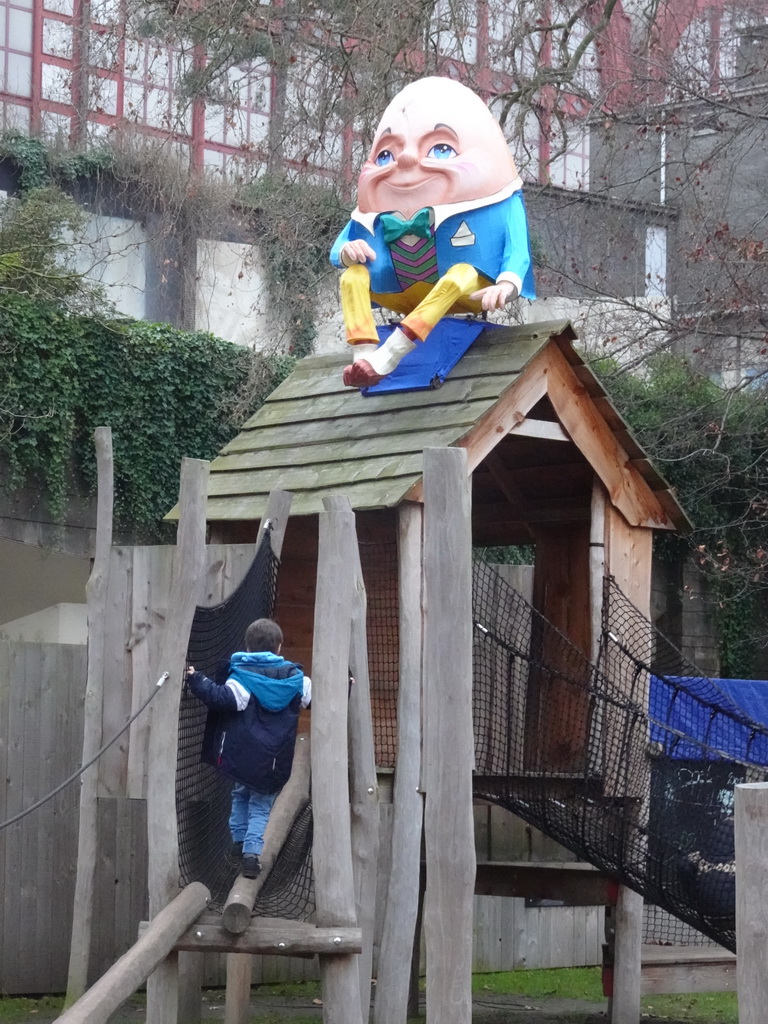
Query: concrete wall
[{"x": 63, "y": 623}]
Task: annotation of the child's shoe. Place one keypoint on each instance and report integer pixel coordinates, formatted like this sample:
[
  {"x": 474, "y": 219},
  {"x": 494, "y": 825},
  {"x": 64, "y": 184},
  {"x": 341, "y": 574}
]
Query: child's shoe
[
  {"x": 251, "y": 865},
  {"x": 236, "y": 853}
]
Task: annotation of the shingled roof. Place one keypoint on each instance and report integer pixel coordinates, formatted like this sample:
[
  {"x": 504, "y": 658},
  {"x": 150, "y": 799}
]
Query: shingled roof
[{"x": 315, "y": 438}]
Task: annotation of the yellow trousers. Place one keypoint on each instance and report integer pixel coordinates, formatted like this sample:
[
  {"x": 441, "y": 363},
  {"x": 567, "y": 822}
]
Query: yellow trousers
[{"x": 423, "y": 304}]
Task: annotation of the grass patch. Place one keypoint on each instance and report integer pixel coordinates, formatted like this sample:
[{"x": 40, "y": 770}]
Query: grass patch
[
  {"x": 699, "y": 1008},
  {"x": 22, "y": 1008},
  {"x": 564, "y": 982},
  {"x": 290, "y": 990},
  {"x": 280, "y": 1018}
]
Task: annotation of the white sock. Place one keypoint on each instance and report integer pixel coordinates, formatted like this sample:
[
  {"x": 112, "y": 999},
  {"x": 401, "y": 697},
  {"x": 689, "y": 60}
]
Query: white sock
[
  {"x": 386, "y": 358},
  {"x": 363, "y": 351}
]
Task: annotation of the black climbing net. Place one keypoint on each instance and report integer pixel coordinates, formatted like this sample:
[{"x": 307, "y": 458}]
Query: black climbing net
[
  {"x": 202, "y": 793},
  {"x": 380, "y": 571},
  {"x": 594, "y": 756}
]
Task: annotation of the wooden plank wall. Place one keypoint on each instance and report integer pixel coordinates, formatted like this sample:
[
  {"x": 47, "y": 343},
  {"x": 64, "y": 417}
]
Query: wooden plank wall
[
  {"x": 508, "y": 934},
  {"x": 41, "y": 722},
  {"x": 140, "y": 580}
]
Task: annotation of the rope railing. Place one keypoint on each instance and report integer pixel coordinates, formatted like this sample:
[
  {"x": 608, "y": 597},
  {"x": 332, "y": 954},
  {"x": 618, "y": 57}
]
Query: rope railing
[{"x": 83, "y": 768}]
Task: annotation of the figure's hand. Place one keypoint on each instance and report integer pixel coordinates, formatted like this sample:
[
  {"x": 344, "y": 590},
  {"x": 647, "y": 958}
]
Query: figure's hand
[
  {"x": 190, "y": 670},
  {"x": 495, "y": 296},
  {"x": 360, "y": 374},
  {"x": 356, "y": 252}
]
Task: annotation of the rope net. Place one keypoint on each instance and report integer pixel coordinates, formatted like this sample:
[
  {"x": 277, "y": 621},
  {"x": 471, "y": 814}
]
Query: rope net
[
  {"x": 202, "y": 793},
  {"x": 378, "y": 561},
  {"x": 573, "y": 749}
]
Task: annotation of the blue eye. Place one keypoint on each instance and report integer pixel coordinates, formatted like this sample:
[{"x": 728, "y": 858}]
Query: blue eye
[
  {"x": 383, "y": 158},
  {"x": 442, "y": 151}
]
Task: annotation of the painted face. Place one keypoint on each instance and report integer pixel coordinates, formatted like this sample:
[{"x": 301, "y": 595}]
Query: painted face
[{"x": 437, "y": 142}]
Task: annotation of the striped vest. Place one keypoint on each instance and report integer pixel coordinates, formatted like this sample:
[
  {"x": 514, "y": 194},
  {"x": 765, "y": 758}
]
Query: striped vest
[{"x": 416, "y": 261}]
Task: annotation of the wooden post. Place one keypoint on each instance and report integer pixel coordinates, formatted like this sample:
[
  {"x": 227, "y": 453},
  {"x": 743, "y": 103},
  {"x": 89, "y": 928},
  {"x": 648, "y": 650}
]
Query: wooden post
[
  {"x": 331, "y": 848},
  {"x": 628, "y": 551},
  {"x": 132, "y": 969},
  {"x": 751, "y": 811},
  {"x": 239, "y": 965},
  {"x": 275, "y": 520},
  {"x": 87, "y": 840},
  {"x": 237, "y": 1003},
  {"x": 596, "y": 564},
  {"x": 162, "y": 828},
  {"x": 448, "y": 735},
  {"x": 402, "y": 904},
  {"x": 190, "y": 988},
  {"x": 364, "y": 791}
]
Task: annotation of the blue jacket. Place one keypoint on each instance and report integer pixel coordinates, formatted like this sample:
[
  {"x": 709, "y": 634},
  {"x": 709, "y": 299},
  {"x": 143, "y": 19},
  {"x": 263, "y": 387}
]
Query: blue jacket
[
  {"x": 493, "y": 239},
  {"x": 253, "y": 746}
]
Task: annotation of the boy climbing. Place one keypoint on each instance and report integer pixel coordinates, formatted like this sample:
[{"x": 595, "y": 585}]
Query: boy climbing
[{"x": 251, "y": 731}]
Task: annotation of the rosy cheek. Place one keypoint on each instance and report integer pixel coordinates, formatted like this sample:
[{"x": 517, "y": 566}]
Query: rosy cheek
[{"x": 468, "y": 177}]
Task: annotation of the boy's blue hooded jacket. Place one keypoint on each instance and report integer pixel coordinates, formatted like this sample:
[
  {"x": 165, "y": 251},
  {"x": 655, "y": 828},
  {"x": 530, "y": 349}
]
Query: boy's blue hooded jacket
[{"x": 254, "y": 746}]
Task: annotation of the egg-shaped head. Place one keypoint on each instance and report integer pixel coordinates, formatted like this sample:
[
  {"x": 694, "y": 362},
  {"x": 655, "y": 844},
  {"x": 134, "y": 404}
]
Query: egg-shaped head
[{"x": 437, "y": 142}]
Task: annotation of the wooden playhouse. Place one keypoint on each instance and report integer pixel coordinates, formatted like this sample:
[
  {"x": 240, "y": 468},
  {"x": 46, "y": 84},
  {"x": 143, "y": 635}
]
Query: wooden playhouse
[{"x": 551, "y": 465}]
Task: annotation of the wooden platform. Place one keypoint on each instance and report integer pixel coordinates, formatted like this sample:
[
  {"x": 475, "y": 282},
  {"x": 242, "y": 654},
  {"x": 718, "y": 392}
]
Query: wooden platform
[{"x": 669, "y": 969}]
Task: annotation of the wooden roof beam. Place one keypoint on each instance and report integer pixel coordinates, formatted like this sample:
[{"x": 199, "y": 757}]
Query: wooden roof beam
[
  {"x": 576, "y": 410},
  {"x": 536, "y": 512},
  {"x": 511, "y": 409},
  {"x": 544, "y": 430}
]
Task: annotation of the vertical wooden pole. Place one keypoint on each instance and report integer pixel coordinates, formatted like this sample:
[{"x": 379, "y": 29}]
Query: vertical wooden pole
[
  {"x": 448, "y": 735},
  {"x": 332, "y": 843},
  {"x": 87, "y": 840},
  {"x": 276, "y": 518},
  {"x": 237, "y": 1004},
  {"x": 190, "y": 988},
  {"x": 363, "y": 789},
  {"x": 240, "y": 965},
  {"x": 402, "y": 902},
  {"x": 596, "y": 564},
  {"x": 628, "y": 552},
  {"x": 751, "y": 811},
  {"x": 162, "y": 828}
]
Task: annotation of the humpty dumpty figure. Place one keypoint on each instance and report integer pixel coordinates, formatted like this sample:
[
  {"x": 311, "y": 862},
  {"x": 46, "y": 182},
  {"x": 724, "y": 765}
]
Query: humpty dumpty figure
[{"x": 440, "y": 225}]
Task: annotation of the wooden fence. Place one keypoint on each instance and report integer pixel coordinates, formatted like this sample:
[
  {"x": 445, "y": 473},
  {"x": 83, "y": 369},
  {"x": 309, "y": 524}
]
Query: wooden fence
[{"x": 41, "y": 712}]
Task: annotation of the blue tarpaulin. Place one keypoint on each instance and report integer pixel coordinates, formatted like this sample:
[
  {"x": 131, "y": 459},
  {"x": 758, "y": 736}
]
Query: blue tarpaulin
[
  {"x": 729, "y": 716},
  {"x": 431, "y": 361}
]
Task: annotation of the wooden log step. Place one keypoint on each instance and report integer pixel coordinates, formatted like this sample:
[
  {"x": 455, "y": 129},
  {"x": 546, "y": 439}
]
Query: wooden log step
[
  {"x": 290, "y": 802},
  {"x": 156, "y": 940}
]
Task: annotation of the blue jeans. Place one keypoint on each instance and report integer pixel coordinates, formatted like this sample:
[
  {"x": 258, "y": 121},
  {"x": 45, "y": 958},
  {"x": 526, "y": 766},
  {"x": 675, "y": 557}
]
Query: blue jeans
[{"x": 249, "y": 816}]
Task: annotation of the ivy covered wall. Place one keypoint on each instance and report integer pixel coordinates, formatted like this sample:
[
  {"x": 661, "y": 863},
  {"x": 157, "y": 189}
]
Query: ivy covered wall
[{"x": 166, "y": 394}]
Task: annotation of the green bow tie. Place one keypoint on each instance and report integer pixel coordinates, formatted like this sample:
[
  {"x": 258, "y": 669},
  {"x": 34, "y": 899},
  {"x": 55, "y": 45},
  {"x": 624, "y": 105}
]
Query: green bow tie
[{"x": 395, "y": 228}]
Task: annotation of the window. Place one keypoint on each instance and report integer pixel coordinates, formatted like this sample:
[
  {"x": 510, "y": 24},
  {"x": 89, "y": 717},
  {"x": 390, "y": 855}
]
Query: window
[
  {"x": 238, "y": 126},
  {"x": 152, "y": 73},
  {"x": 16, "y": 47},
  {"x": 569, "y": 167},
  {"x": 655, "y": 262}
]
